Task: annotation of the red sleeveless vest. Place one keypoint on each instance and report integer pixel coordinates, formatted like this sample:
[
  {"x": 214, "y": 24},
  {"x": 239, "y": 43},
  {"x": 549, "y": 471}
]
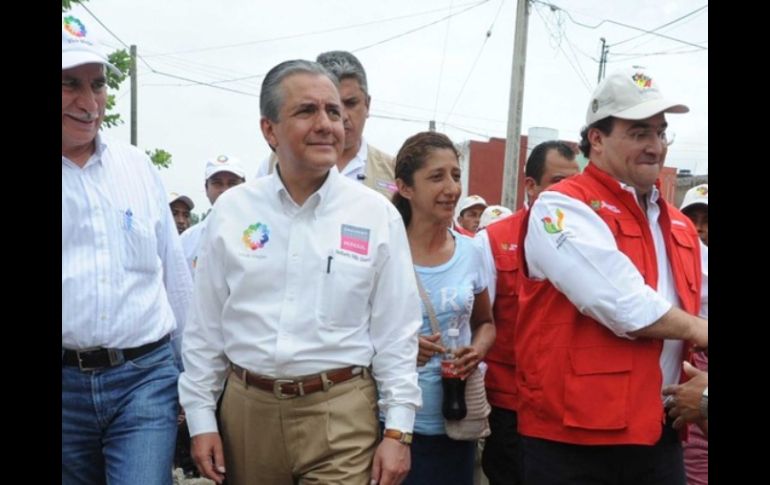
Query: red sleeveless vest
[
  {"x": 578, "y": 382},
  {"x": 500, "y": 378}
]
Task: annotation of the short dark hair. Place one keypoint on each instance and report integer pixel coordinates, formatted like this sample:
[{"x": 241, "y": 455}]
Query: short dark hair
[
  {"x": 535, "y": 166},
  {"x": 604, "y": 125},
  {"x": 344, "y": 65},
  {"x": 412, "y": 157}
]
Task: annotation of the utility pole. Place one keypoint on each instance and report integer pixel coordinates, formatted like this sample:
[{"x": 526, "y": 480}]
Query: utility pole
[
  {"x": 132, "y": 71},
  {"x": 513, "y": 138},
  {"x": 603, "y": 60},
  {"x": 432, "y": 125}
]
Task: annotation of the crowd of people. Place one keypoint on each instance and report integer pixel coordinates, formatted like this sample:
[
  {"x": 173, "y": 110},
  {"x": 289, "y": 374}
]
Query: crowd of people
[{"x": 290, "y": 338}]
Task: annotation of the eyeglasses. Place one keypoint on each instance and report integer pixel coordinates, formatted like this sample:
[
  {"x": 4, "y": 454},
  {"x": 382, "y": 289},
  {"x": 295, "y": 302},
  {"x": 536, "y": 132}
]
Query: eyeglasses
[{"x": 649, "y": 137}]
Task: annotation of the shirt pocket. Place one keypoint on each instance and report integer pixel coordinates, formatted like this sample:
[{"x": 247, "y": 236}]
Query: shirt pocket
[
  {"x": 344, "y": 295},
  {"x": 688, "y": 257},
  {"x": 139, "y": 248},
  {"x": 507, "y": 266},
  {"x": 597, "y": 376}
]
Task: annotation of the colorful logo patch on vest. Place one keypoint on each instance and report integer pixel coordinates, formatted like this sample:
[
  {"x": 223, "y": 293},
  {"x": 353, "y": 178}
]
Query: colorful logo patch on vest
[
  {"x": 256, "y": 236},
  {"x": 599, "y": 204},
  {"x": 509, "y": 246},
  {"x": 74, "y": 27},
  {"x": 642, "y": 80},
  {"x": 552, "y": 227},
  {"x": 355, "y": 239}
]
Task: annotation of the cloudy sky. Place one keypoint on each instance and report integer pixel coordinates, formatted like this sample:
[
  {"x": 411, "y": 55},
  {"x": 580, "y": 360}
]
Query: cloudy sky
[{"x": 202, "y": 63}]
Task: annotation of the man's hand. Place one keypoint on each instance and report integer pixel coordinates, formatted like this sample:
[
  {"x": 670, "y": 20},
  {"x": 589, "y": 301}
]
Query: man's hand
[
  {"x": 687, "y": 396},
  {"x": 429, "y": 348},
  {"x": 392, "y": 461},
  {"x": 206, "y": 450}
]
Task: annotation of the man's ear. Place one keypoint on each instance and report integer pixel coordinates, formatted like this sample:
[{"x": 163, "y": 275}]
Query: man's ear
[
  {"x": 268, "y": 131},
  {"x": 596, "y": 139},
  {"x": 529, "y": 186}
]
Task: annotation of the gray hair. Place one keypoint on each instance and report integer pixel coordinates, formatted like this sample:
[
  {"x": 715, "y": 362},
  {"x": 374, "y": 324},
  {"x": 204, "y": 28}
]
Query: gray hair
[
  {"x": 344, "y": 65},
  {"x": 271, "y": 96}
]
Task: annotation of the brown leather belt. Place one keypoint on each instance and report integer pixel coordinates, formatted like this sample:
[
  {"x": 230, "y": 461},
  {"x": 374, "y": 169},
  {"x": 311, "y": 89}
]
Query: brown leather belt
[{"x": 299, "y": 386}]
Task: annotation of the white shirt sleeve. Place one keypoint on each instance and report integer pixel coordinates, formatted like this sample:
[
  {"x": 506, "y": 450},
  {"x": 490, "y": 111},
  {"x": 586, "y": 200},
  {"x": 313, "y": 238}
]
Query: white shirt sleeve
[
  {"x": 489, "y": 271},
  {"x": 395, "y": 322},
  {"x": 581, "y": 259},
  {"x": 203, "y": 353}
]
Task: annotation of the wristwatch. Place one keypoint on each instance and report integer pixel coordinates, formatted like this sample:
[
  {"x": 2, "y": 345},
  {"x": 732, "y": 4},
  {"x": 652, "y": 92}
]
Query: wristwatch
[
  {"x": 401, "y": 436},
  {"x": 704, "y": 403}
]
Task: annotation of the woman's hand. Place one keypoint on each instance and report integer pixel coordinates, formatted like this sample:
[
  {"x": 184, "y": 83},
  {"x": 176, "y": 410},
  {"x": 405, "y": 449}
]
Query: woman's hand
[
  {"x": 466, "y": 361},
  {"x": 430, "y": 345}
]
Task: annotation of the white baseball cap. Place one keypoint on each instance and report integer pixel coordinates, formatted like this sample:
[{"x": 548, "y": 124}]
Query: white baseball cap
[
  {"x": 79, "y": 46},
  {"x": 470, "y": 201},
  {"x": 176, "y": 196},
  {"x": 696, "y": 195},
  {"x": 629, "y": 94},
  {"x": 224, "y": 163},
  {"x": 492, "y": 214}
]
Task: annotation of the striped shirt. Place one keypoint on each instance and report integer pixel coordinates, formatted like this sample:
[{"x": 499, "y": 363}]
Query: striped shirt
[{"x": 124, "y": 278}]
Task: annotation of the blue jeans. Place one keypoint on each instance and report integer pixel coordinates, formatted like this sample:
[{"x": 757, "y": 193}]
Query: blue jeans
[{"x": 119, "y": 424}]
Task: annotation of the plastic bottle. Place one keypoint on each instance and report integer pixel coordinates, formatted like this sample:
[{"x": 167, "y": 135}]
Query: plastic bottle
[{"x": 453, "y": 405}]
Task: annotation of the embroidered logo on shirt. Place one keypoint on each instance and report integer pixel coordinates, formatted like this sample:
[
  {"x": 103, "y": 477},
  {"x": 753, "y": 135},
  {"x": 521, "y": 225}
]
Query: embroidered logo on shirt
[
  {"x": 550, "y": 226},
  {"x": 256, "y": 236},
  {"x": 509, "y": 246},
  {"x": 599, "y": 204},
  {"x": 390, "y": 186},
  {"x": 355, "y": 239}
]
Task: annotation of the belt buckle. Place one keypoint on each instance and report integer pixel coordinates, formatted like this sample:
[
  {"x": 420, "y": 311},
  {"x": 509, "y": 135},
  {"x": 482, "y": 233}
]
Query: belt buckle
[
  {"x": 277, "y": 388},
  {"x": 115, "y": 356}
]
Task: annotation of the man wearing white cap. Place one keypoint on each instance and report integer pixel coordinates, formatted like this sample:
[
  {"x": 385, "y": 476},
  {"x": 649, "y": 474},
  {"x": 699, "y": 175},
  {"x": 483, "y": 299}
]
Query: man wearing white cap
[
  {"x": 696, "y": 206},
  {"x": 470, "y": 214},
  {"x": 180, "y": 205},
  {"x": 609, "y": 297},
  {"x": 222, "y": 173},
  {"x": 125, "y": 290}
]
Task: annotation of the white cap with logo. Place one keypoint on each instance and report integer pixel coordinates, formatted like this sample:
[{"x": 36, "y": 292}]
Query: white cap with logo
[
  {"x": 79, "y": 46},
  {"x": 629, "y": 94},
  {"x": 224, "y": 163},
  {"x": 696, "y": 195},
  {"x": 470, "y": 201},
  {"x": 493, "y": 213}
]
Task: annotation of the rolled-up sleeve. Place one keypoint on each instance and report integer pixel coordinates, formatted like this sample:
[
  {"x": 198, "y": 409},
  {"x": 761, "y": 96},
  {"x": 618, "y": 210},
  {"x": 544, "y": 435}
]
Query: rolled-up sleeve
[
  {"x": 395, "y": 322},
  {"x": 581, "y": 259}
]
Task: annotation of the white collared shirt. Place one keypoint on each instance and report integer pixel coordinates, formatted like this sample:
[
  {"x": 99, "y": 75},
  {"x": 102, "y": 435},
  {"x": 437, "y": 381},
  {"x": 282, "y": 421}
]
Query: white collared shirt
[
  {"x": 584, "y": 263},
  {"x": 354, "y": 170},
  {"x": 124, "y": 279},
  {"x": 285, "y": 290},
  {"x": 191, "y": 242}
]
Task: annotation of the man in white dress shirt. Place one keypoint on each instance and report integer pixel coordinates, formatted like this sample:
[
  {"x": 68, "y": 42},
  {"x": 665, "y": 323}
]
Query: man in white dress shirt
[
  {"x": 360, "y": 161},
  {"x": 306, "y": 302},
  {"x": 222, "y": 173},
  {"x": 125, "y": 290},
  {"x": 609, "y": 299}
]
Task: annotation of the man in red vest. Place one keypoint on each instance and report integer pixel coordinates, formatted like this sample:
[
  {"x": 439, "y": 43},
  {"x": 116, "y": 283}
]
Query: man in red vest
[
  {"x": 550, "y": 162},
  {"x": 610, "y": 290}
]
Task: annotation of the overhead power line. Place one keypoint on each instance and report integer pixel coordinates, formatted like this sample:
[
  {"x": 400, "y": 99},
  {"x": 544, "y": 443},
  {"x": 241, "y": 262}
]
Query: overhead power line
[{"x": 662, "y": 26}]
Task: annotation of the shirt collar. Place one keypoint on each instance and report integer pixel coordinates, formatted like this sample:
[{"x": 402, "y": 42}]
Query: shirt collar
[
  {"x": 100, "y": 145},
  {"x": 317, "y": 199}
]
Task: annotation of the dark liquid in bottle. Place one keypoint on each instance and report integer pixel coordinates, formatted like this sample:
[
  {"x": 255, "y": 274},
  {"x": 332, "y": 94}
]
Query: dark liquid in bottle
[{"x": 453, "y": 405}]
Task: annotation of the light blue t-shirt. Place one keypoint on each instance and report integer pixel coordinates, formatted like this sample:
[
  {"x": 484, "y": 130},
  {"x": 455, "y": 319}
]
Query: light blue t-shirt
[{"x": 451, "y": 288}]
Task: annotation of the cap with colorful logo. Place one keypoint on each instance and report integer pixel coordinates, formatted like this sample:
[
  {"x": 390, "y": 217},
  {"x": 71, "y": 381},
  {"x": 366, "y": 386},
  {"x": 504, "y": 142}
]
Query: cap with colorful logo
[
  {"x": 471, "y": 201},
  {"x": 492, "y": 214},
  {"x": 629, "y": 94},
  {"x": 79, "y": 45},
  {"x": 696, "y": 195},
  {"x": 224, "y": 163}
]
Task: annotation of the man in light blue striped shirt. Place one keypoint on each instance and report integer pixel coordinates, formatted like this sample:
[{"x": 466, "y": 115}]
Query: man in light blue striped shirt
[{"x": 125, "y": 290}]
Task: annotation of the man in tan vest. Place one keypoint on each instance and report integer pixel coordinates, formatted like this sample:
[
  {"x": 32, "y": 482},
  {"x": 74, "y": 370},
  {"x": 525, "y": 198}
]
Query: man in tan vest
[{"x": 360, "y": 160}]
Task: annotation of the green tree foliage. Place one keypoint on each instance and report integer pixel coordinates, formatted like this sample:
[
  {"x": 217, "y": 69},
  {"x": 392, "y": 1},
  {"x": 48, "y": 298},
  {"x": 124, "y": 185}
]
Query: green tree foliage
[{"x": 122, "y": 60}]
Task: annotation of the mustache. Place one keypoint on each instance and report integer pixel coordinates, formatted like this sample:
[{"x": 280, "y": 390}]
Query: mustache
[{"x": 86, "y": 116}]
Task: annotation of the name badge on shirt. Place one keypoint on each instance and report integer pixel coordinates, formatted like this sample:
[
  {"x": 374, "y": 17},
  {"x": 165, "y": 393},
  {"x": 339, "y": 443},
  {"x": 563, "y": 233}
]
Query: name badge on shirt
[{"x": 355, "y": 239}]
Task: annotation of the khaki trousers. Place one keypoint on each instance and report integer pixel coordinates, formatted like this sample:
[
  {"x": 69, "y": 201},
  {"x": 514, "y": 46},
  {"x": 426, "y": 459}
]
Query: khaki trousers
[{"x": 327, "y": 437}]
